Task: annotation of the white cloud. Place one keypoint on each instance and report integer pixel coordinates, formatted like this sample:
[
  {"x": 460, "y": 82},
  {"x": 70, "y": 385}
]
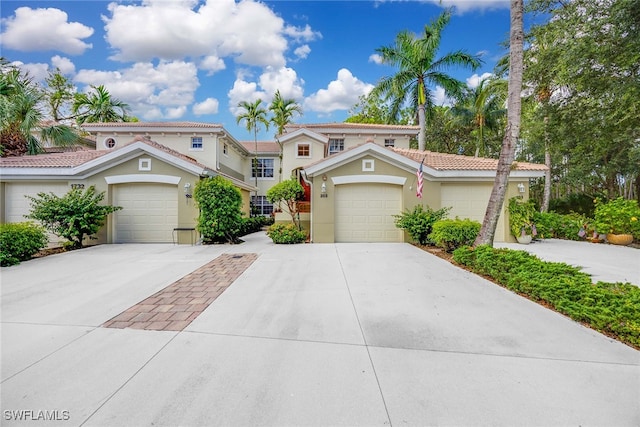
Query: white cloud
[
  {"x": 375, "y": 58},
  {"x": 65, "y": 65},
  {"x": 272, "y": 79},
  {"x": 208, "y": 106},
  {"x": 440, "y": 98},
  {"x": 37, "y": 71},
  {"x": 31, "y": 30},
  {"x": 302, "y": 51},
  {"x": 306, "y": 34},
  {"x": 283, "y": 79},
  {"x": 152, "y": 92},
  {"x": 244, "y": 91},
  {"x": 248, "y": 31},
  {"x": 212, "y": 64},
  {"x": 475, "y": 79},
  {"x": 462, "y": 6},
  {"x": 340, "y": 94}
]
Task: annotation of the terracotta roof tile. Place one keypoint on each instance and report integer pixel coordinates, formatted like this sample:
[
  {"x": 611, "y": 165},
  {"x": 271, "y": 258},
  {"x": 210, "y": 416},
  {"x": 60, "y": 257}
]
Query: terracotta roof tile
[
  {"x": 263, "y": 146},
  {"x": 153, "y": 125},
  {"x": 353, "y": 126},
  {"x": 443, "y": 161},
  {"x": 51, "y": 160}
]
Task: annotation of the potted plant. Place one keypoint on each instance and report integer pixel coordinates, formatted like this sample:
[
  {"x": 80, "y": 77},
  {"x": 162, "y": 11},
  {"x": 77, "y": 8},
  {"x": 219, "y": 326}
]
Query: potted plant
[
  {"x": 521, "y": 219},
  {"x": 618, "y": 219}
]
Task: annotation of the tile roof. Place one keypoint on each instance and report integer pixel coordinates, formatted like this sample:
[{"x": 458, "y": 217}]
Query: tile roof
[
  {"x": 353, "y": 126},
  {"x": 77, "y": 158},
  {"x": 263, "y": 146},
  {"x": 154, "y": 125},
  {"x": 51, "y": 160},
  {"x": 443, "y": 161}
]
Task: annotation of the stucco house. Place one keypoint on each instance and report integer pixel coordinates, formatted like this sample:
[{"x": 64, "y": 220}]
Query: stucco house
[{"x": 356, "y": 177}]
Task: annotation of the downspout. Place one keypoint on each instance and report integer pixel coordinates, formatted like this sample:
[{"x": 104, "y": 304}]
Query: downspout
[{"x": 303, "y": 174}]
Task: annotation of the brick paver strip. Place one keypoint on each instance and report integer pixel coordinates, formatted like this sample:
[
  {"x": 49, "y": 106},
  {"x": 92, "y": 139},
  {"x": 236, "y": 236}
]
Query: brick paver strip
[{"x": 174, "y": 307}]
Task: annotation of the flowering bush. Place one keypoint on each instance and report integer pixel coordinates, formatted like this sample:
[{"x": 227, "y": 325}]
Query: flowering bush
[
  {"x": 618, "y": 216},
  {"x": 286, "y": 234}
]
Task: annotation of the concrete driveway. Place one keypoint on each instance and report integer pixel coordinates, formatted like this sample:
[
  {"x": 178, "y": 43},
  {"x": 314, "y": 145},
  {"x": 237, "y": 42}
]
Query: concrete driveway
[{"x": 321, "y": 334}]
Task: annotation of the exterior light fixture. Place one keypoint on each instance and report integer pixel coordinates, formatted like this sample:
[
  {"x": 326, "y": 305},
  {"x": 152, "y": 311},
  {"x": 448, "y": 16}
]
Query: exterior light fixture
[
  {"x": 187, "y": 190},
  {"x": 521, "y": 188}
]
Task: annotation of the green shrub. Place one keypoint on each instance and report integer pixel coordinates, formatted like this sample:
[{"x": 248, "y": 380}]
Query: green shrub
[
  {"x": 419, "y": 222},
  {"x": 579, "y": 203},
  {"x": 612, "y": 308},
  {"x": 73, "y": 216},
  {"x": 254, "y": 223},
  {"x": 451, "y": 234},
  {"x": 286, "y": 234},
  {"x": 618, "y": 216},
  {"x": 555, "y": 225},
  {"x": 19, "y": 241},
  {"x": 220, "y": 204},
  {"x": 521, "y": 215}
]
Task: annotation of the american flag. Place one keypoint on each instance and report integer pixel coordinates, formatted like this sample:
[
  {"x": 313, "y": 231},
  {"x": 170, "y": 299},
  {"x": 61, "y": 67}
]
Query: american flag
[{"x": 419, "y": 187}]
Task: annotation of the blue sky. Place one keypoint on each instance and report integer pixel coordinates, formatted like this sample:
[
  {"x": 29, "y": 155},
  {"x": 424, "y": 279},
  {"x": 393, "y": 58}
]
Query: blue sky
[{"x": 189, "y": 60}]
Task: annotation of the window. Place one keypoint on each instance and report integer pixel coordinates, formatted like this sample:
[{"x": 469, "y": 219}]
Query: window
[
  {"x": 196, "y": 143},
  {"x": 264, "y": 169},
  {"x": 225, "y": 148},
  {"x": 261, "y": 206},
  {"x": 304, "y": 150},
  {"x": 110, "y": 143},
  {"x": 335, "y": 146},
  {"x": 389, "y": 142}
]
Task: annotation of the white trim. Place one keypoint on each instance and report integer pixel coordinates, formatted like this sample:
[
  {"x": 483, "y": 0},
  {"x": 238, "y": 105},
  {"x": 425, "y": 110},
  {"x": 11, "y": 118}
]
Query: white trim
[
  {"x": 124, "y": 179},
  {"x": 368, "y": 165},
  {"x": 369, "y": 179},
  {"x": 306, "y": 132},
  {"x": 144, "y": 164},
  {"x": 298, "y": 144}
]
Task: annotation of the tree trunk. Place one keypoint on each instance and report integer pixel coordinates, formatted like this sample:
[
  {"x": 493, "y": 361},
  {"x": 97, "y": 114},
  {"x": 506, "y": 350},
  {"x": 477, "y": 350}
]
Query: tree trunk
[
  {"x": 422, "y": 122},
  {"x": 546, "y": 197},
  {"x": 507, "y": 153}
]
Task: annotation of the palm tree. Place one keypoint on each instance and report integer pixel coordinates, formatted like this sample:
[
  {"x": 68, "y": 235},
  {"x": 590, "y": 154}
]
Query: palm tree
[
  {"x": 418, "y": 67},
  {"x": 283, "y": 111},
  {"x": 21, "y": 118},
  {"x": 512, "y": 132},
  {"x": 483, "y": 107},
  {"x": 253, "y": 115},
  {"x": 99, "y": 107}
]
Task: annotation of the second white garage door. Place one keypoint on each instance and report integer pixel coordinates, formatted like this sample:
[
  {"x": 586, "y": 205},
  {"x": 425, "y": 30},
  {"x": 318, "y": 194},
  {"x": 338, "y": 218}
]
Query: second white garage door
[
  {"x": 149, "y": 214},
  {"x": 365, "y": 213}
]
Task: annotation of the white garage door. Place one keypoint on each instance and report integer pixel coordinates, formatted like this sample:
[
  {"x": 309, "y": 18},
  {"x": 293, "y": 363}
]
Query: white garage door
[
  {"x": 470, "y": 201},
  {"x": 149, "y": 213},
  {"x": 16, "y": 205},
  {"x": 364, "y": 213}
]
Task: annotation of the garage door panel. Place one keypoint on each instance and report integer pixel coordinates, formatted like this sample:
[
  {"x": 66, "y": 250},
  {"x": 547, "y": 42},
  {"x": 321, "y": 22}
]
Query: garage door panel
[
  {"x": 365, "y": 213},
  {"x": 149, "y": 214}
]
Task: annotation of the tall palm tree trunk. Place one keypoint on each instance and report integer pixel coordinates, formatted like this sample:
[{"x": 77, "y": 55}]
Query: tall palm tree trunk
[
  {"x": 546, "y": 196},
  {"x": 507, "y": 153},
  {"x": 422, "y": 122}
]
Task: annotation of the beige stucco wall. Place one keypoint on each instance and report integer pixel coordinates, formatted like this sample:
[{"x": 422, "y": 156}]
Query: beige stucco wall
[
  {"x": 187, "y": 210},
  {"x": 350, "y": 140},
  {"x": 291, "y": 161},
  {"x": 323, "y": 215}
]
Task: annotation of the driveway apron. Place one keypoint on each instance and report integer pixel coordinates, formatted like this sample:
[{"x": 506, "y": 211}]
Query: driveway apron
[{"x": 319, "y": 334}]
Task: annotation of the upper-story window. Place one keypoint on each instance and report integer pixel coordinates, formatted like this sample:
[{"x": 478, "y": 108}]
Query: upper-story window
[
  {"x": 263, "y": 168},
  {"x": 336, "y": 145},
  {"x": 389, "y": 142},
  {"x": 110, "y": 143},
  {"x": 196, "y": 143},
  {"x": 304, "y": 150}
]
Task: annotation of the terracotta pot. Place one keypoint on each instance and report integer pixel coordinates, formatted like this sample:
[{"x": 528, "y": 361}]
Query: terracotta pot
[{"x": 620, "y": 239}]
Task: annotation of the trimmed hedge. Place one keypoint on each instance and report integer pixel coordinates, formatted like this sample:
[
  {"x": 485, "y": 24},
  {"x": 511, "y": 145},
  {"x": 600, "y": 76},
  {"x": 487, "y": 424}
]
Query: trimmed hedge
[
  {"x": 611, "y": 308},
  {"x": 286, "y": 233},
  {"x": 450, "y": 234},
  {"x": 20, "y": 241}
]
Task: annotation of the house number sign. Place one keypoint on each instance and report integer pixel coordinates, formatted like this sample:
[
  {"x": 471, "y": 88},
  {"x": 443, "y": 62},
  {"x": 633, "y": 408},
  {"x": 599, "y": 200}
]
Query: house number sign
[{"x": 76, "y": 186}]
